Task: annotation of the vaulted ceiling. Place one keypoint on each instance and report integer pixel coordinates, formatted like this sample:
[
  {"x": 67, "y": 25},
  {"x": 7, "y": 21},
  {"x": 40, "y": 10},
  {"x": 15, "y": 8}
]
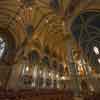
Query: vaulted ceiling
[{"x": 43, "y": 22}]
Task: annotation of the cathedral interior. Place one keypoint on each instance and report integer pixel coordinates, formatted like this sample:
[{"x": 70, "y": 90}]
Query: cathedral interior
[{"x": 49, "y": 49}]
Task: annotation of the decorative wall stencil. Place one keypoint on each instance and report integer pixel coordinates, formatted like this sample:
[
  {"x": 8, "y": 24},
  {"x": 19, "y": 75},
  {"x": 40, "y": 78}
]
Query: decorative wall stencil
[{"x": 86, "y": 30}]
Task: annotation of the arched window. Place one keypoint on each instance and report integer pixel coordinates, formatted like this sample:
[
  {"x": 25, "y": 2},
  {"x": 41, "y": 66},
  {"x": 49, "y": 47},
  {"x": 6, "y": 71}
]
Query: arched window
[{"x": 2, "y": 46}]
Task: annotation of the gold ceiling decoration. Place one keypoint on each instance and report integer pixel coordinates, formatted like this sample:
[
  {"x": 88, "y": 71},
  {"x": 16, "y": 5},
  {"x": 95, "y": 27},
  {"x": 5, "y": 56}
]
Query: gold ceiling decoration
[
  {"x": 23, "y": 17},
  {"x": 35, "y": 25},
  {"x": 38, "y": 19}
]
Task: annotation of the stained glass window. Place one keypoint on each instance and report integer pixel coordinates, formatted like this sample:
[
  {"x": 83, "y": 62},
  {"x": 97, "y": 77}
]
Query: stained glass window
[{"x": 2, "y": 46}]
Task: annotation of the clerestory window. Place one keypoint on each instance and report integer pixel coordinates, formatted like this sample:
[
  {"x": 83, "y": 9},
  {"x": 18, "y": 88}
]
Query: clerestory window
[{"x": 2, "y": 46}]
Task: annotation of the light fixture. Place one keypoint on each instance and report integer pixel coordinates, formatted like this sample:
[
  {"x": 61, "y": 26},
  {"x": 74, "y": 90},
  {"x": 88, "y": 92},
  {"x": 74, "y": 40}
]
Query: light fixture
[
  {"x": 18, "y": 18},
  {"x": 96, "y": 50},
  {"x": 50, "y": 74},
  {"x": 40, "y": 71},
  {"x": 63, "y": 23},
  {"x": 30, "y": 8},
  {"x": 33, "y": 84},
  {"x": 99, "y": 60},
  {"x": 57, "y": 76},
  {"x": 63, "y": 78},
  {"x": 46, "y": 20},
  {"x": 79, "y": 62},
  {"x": 35, "y": 71},
  {"x": 27, "y": 68}
]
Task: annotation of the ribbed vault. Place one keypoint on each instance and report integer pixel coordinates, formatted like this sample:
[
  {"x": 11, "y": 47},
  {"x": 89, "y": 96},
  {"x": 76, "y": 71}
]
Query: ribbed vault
[{"x": 42, "y": 20}]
